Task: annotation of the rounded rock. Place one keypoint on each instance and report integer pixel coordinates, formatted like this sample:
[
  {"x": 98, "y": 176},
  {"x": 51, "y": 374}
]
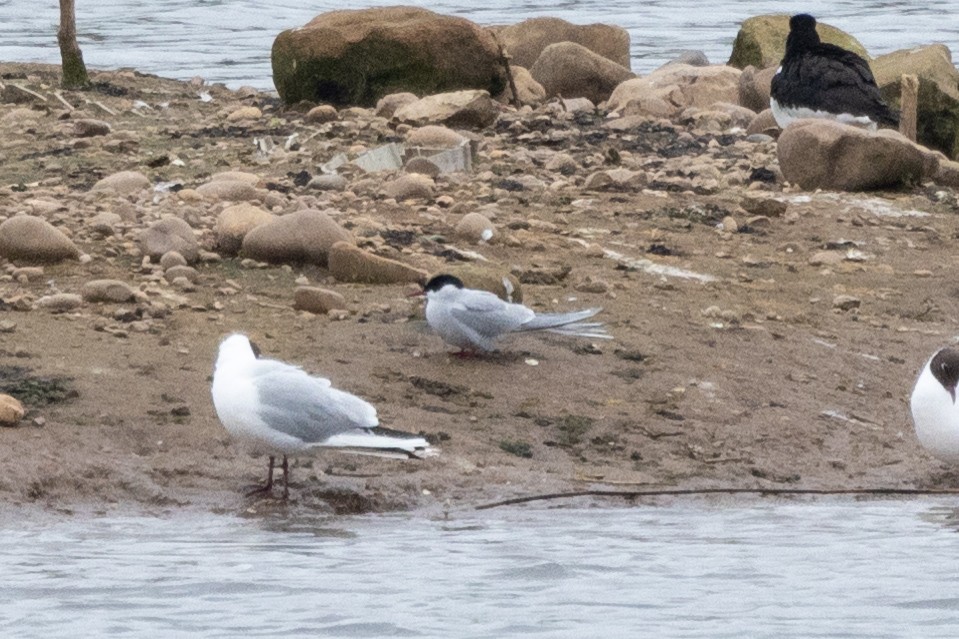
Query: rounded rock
[
  {"x": 422, "y": 166},
  {"x": 321, "y": 114},
  {"x": 123, "y": 183},
  {"x": 170, "y": 259},
  {"x": 59, "y": 302},
  {"x": 184, "y": 271},
  {"x": 303, "y": 236},
  {"x": 234, "y": 190},
  {"x": 332, "y": 182},
  {"x": 236, "y": 176},
  {"x": 104, "y": 222},
  {"x": 349, "y": 263},
  {"x": 409, "y": 186},
  {"x": 475, "y": 227},
  {"x": 169, "y": 234},
  {"x": 245, "y": 113},
  {"x": 234, "y": 222},
  {"x": 32, "y": 239},
  {"x": 88, "y": 128},
  {"x": 317, "y": 300},
  {"x": 388, "y": 104},
  {"x": 11, "y": 410},
  {"x": 107, "y": 291},
  {"x": 433, "y": 136}
]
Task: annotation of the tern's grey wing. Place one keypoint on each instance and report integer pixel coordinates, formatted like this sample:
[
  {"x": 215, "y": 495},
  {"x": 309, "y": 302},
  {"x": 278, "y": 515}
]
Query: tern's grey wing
[
  {"x": 308, "y": 408},
  {"x": 488, "y": 315}
]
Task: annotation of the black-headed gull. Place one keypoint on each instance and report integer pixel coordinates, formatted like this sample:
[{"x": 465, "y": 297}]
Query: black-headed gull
[
  {"x": 278, "y": 409},
  {"x": 821, "y": 80},
  {"x": 472, "y": 319},
  {"x": 935, "y": 413}
]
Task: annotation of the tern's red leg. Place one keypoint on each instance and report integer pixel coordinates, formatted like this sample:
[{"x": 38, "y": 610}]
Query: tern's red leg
[{"x": 286, "y": 478}]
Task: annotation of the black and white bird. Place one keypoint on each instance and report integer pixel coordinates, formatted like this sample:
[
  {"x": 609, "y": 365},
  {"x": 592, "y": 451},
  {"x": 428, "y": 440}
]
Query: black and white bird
[
  {"x": 472, "y": 319},
  {"x": 820, "y": 80},
  {"x": 278, "y": 409},
  {"x": 935, "y": 413}
]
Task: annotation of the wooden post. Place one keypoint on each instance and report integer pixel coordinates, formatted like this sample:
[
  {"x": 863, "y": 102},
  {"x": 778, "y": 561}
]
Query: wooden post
[
  {"x": 505, "y": 58},
  {"x": 74, "y": 71},
  {"x": 908, "y": 106}
]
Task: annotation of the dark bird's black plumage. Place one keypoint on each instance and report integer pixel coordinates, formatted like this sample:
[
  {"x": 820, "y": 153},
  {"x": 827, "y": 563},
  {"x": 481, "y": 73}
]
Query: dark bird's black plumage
[{"x": 824, "y": 78}]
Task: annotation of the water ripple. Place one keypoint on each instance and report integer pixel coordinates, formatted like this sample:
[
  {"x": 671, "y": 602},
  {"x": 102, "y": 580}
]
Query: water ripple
[{"x": 183, "y": 38}]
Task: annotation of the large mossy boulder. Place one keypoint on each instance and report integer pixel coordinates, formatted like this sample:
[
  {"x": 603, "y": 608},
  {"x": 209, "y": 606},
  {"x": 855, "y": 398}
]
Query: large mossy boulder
[
  {"x": 937, "y": 119},
  {"x": 355, "y": 57},
  {"x": 761, "y": 41},
  {"x": 524, "y": 41}
]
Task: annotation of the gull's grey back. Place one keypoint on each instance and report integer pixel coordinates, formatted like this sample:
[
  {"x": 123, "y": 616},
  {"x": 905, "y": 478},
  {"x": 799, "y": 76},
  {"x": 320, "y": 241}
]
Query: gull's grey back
[{"x": 306, "y": 407}]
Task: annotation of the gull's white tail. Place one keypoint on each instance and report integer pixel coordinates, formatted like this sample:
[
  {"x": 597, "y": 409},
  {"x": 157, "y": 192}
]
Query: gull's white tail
[{"x": 381, "y": 442}]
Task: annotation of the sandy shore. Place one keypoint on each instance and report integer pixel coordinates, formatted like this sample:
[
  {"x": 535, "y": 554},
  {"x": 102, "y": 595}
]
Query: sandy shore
[{"x": 778, "y": 354}]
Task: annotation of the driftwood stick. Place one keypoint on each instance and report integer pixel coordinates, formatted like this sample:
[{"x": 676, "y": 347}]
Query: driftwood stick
[
  {"x": 58, "y": 96},
  {"x": 763, "y": 492}
]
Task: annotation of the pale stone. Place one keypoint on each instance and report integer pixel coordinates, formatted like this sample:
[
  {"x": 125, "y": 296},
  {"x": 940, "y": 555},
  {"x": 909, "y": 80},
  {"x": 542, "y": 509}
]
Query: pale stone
[
  {"x": 245, "y": 113},
  {"x": 825, "y": 154},
  {"x": 233, "y": 190},
  {"x": 234, "y": 222},
  {"x": 59, "y": 302},
  {"x": 32, "y": 239},
  {"x": 106, "y": 291},
  {"x": 349, "y": 263},
  {"x": 573, "y": 71},
  {"x": 11, "y": 410},
  {"x": 409, "y": 186},
  {"x": 321, "y": 114},
  {"x": 317, "y": 300},
  {"x": 169, "y": 234},
  {"x": 469, "y": 108},
  {"x": 475, "y": 227},
  {"x": 123, "y": 183},
  {"x": 303, "y": 236}
]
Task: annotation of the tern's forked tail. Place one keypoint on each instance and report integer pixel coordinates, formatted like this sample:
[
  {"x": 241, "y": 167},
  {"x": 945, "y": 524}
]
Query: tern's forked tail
[
  {"x": 568, "y": 324},
  {"x": 592, "y": 330}
]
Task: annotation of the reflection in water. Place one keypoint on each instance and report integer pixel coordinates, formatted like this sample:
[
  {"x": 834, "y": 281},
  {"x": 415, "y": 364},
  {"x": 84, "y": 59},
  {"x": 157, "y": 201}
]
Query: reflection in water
[
  {"x": 183, "y": 38},
  {"x": 945, "y": 516},
  {"x": 699, "y": 568}
]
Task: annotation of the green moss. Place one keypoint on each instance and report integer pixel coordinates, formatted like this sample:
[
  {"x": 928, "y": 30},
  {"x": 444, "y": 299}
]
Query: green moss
[
  {"x": 74, "y": 71},
  {"x": 520, "y": 449},
  {"x": 34, "y": 390},
  {"x": 361, "y": 73},
  {"x": 572, "y": 429},
  {"x": 938, "y": 119},
  {"x": 761, "y": 41}
]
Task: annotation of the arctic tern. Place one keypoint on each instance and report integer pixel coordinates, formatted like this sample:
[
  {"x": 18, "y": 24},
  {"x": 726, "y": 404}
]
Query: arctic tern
[{"x": 472, "y": 319}]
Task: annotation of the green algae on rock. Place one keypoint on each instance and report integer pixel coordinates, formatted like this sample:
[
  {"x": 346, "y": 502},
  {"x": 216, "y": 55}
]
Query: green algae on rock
[{"x": 761, "y": 41}]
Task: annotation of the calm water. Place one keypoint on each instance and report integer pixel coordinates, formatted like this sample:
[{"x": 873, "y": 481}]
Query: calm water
[
  {"x": 229, "y": 40},
  {"x": 750, "y": 569}
]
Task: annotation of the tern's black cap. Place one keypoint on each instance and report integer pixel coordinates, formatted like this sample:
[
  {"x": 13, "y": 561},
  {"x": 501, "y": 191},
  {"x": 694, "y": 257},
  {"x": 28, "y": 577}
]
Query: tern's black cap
[{"x": 439, "y": 281}]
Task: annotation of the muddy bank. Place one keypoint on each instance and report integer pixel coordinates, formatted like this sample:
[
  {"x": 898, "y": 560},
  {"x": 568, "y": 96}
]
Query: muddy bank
[{"x": 763, "y": 336}]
